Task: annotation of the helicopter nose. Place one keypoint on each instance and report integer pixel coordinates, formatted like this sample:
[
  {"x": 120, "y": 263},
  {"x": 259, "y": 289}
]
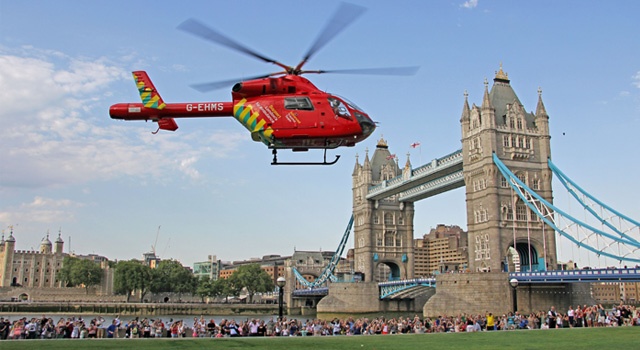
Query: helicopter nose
[{"x": 368, "y": 126}]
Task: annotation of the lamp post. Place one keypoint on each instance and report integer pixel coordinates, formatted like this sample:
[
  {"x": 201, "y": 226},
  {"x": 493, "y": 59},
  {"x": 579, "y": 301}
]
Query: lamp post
[
  {"x": 514, "y": 285},
  {"x": 280, "y": 282}
]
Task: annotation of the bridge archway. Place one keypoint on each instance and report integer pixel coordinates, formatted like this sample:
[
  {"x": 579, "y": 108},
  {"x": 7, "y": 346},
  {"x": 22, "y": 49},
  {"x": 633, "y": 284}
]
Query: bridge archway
[
  {"x": 528, "y": 257},
  {"x": 388, "y": 271}
]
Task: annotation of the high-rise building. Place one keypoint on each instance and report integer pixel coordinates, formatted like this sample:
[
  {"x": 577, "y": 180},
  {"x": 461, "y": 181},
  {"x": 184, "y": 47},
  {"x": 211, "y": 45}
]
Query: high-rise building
[
  {"x": 442, "y": 250},
  {"x": 209, "y": 268}
]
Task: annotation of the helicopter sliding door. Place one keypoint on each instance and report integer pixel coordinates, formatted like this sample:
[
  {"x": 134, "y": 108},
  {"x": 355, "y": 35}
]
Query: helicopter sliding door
[
  {"x": 299, "y": 112},
  {"x": 300, "y": 123}
]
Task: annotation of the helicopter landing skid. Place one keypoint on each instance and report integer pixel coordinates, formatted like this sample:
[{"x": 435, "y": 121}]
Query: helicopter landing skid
[{"x": 324, "y": 162}]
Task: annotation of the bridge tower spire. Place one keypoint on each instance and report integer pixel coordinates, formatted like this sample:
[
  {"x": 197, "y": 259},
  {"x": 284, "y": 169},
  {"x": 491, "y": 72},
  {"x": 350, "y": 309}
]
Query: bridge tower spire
[
  {"x": 383, "y": 229},
  {"x": 495, "y": 217}
]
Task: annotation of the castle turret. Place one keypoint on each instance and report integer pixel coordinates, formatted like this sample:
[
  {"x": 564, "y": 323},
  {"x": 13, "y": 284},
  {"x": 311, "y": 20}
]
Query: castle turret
[
  {"x": 466, "y": 111},
  {"x": 57, "y": 249},
  {"x": 45, "y": 245},
  {"x": 7, "y": 261},
  {"x": 542, "y": 123},
  {"x": 10, "y": 243}
]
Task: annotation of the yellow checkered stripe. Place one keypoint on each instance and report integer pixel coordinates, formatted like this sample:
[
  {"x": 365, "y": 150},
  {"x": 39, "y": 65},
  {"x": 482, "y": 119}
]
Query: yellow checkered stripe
[
  {"x": 150, "y": 98},
  {"x": 251, "y": 120}
]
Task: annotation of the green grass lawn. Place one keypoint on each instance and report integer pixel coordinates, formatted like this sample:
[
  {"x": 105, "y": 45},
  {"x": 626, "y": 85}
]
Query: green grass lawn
[{"x": 577, "y": 338}]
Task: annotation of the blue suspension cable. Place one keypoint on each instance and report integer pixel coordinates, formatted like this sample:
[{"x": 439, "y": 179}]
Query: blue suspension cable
[
  {"x": 565, "y": 180},
  {"x": 327, "y": 273},
  {"x": 513, "y": 180}
]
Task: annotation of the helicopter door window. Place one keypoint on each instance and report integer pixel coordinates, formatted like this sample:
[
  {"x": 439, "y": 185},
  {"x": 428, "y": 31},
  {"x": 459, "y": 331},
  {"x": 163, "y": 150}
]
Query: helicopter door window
[
  {"x": 339, "y": 108},
  {"x": 300, "y": 103}
]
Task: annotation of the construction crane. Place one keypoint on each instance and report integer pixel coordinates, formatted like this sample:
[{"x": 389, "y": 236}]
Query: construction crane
[{"x": 153, "y": 247}]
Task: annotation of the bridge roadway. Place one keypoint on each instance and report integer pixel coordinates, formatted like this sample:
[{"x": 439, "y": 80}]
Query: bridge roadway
[
  {"x": 402, "y": 289},
  {"x": 438, "y": 176},
  {"x": 576, "y": 276}
]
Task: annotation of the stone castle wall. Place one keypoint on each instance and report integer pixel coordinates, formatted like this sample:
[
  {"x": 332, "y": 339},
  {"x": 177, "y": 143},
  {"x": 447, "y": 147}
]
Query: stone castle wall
[{"x": 58, "y": 294}]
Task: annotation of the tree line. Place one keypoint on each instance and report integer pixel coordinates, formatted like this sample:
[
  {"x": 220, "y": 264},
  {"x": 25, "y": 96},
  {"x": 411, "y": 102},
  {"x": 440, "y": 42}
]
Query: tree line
[
  {"x": 134, "y": 277},
  {"x": 169, "y": 276}
]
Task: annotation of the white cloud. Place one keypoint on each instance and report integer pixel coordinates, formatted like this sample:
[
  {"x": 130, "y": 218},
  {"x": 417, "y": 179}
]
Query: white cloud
[
  {"x": 56, "y": 129},
  {"x": 41, "y": 210},
  {"x": 186, "y": 166},
  {"x": 636, "y": 80},
  {"x": 470, "y": 4}
]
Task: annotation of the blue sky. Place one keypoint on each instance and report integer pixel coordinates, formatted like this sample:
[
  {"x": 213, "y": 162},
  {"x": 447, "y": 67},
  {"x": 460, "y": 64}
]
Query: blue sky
[{"x": 108, "y": 185}]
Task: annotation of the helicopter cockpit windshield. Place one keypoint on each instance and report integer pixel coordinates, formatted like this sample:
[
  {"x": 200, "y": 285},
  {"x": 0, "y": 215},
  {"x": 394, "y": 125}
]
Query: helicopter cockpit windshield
[
  {"x": 338, "y": 105},
  {"x": 339, "y": 108},
  {"x": 349, "y": 103}
]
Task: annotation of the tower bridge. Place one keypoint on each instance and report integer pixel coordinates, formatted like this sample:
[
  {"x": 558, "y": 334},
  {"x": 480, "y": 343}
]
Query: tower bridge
[{"x": 505, "y": 167}]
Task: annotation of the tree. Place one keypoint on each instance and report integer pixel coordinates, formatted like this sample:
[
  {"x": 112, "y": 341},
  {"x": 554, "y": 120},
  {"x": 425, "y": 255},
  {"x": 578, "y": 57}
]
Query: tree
[
  {"x": 208, "y": 288},
  {"x": 229, "y": 286},
  {"x": 80, "y": 272},
  {"x": 130, "y": 276},
  {"x": 254, "y": 279},
  {"x": 64, "y": 276},
  {"x": 171, "y": 277}
]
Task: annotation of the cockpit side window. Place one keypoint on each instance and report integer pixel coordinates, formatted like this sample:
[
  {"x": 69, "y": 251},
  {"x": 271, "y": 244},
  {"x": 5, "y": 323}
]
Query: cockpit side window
[
  {"x": 300, "y": 103},
  {"x": 339, "y": 108}
]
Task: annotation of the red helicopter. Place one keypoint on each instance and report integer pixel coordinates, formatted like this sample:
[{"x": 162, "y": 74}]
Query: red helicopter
[{"x": 283, "y": 110}]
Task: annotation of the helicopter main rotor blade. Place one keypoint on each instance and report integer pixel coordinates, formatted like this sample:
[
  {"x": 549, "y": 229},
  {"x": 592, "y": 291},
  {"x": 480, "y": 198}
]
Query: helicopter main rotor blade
[
  {"x": 404, "y": 71},
  {"x": 203, "y": 31},
  {"x": 206, "y": 87},
  {"x": 342, "y": 18}
]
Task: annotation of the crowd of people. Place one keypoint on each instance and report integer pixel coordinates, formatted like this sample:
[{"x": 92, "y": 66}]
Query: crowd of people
[{"x": 78, "y": 328}]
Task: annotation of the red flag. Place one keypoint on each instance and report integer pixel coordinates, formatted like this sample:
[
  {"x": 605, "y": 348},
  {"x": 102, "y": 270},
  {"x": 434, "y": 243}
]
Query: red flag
[
  {"x": 391, "y": 156},
  {"x": 415, "y": 144}
]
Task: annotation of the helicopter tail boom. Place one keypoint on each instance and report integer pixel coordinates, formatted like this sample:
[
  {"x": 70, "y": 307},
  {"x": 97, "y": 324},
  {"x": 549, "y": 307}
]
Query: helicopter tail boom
[{"x": 155, "y": 109}]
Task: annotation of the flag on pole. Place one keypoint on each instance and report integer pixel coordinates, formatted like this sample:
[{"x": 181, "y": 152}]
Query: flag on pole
[
  {"x": 415, "y": 144},
  {"x": 391, "y": 156}
]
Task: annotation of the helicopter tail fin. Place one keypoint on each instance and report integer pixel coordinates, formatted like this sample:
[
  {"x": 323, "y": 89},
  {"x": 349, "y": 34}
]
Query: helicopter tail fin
[
  {"x": 148, "y": 93},
  {"x": 151, "y": 99}
]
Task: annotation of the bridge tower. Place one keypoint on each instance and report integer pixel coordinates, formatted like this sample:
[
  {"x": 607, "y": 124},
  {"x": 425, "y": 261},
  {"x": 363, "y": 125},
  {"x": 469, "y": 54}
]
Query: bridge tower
[
  {"x": 383, "y": 229},
  {"x": 495, "y": 216}
]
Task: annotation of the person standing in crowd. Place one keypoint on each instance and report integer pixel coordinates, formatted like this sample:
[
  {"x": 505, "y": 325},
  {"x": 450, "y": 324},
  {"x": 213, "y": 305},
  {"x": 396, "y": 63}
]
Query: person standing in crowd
[
  {"x": 571, "y": 314},
  {"x": 270, "y": 327},
  {"x": 211, "y": 328},
  {"x": 262, "y": 329},
  {"x": 4, "y": 328},
  {"x": 112, "y": 330},
  {"x": 100, "y": 326},
  {"x": 552, "y": 317},
  {"x": 175, "y": 329},
  {"x": 253, "y": 328},
  {"x": 491, "y": 321}
]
